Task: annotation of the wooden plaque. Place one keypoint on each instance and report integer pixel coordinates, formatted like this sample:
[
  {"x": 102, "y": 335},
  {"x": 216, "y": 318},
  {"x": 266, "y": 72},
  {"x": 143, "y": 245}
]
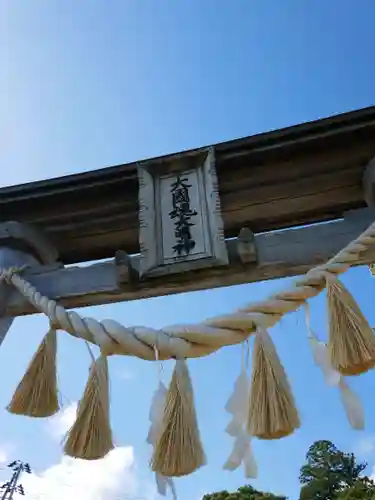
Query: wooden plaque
[{"x": 181, "y": 227}]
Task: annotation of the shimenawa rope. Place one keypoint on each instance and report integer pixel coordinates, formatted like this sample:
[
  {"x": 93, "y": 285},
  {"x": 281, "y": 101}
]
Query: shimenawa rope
[{"x": 192, "y": 341}]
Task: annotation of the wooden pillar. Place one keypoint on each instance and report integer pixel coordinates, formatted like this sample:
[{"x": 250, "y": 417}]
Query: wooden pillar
[{"x": 20, "y": 245}]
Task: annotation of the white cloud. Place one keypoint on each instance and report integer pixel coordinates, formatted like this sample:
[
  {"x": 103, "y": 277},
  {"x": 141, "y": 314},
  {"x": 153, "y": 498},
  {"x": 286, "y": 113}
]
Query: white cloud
[
  {"x": 111, "y": 478},
  {"x": 59, "y": 424},
  {"x": 3, "y": 456},
  {"x": 6, "y": 452},
  {"x": 366, "y": 445}
]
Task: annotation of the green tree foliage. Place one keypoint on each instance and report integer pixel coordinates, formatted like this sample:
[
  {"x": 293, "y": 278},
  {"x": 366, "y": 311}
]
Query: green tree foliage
[
  {"x": 363, "y": 489},
  {"x": 330, "y": 474},
  {"x": 243, "y": 493}
]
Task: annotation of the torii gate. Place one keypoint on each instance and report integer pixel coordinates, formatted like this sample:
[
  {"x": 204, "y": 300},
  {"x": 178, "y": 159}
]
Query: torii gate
[{"x": 276, "y": 204}]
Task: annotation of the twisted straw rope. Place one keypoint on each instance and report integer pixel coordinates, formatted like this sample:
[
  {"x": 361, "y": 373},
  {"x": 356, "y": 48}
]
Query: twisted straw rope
[{"x": 198, "y": 340}]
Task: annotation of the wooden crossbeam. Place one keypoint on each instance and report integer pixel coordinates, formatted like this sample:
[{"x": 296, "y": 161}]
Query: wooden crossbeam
[{"x": 279, "y": 254}]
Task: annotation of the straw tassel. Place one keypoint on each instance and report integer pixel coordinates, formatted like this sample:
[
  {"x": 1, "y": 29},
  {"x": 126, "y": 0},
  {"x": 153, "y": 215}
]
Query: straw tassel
[
  {"x": 36, "y": 394},
  {"x": 351, "y": 342},
  {"x": 90, "y": 438},
  {"x": 272, "y": 411},
  {"x": 179, "y": 450},
  {"x": 156, "y": 419}
]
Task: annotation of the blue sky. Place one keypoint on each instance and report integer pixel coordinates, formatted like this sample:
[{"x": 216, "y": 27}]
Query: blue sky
[{"x": 90, "y": 84}]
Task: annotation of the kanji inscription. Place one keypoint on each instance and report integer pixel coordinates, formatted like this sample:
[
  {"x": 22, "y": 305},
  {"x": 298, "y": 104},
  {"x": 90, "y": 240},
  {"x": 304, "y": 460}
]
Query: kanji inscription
[{"x": 180, "y": 220}]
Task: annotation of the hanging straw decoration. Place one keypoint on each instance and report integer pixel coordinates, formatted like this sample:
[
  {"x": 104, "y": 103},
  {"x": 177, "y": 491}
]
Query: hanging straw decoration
[
  {"x": 179, "y": 450},
  {"x": 237, "y": 406},
  {"x": 90, "y": 438},
  {"x": 350, "y": 401},
  {"x": 156, "y": 427},
  {"x": 36, "y": 394},
  {"x": 272, "y": 411},
  {"x": 351, "y": 342}
]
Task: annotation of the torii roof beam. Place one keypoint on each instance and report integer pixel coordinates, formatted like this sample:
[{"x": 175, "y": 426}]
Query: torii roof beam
[
  {"x": 295, "y": 176},
  {"x": 311, "y": 173}
]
